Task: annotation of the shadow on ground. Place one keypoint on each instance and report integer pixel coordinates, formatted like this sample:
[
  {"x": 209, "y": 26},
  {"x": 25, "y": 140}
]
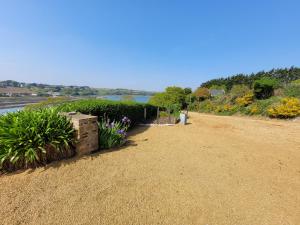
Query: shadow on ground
[{"x": 63, "y": 162}]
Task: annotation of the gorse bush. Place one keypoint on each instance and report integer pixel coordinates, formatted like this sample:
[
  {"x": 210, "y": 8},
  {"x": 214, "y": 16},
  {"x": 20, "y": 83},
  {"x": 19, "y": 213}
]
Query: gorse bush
[
  {"x": 245, "y": 100},
  {"x": 288, "y": 108},
  {"x": 31, "y": 138},
  {"x": 113, "y": 110},
  {"x": 113, "y": 134}
]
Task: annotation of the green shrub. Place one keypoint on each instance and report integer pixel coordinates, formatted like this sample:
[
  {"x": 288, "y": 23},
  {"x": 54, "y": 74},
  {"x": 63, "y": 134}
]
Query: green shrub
[
  {"x": 264, "y": 88},
  {"x": 238, "y": 91},
  {"x": 31, "y": 138},
  {"x": 112, "y": 134},
  {"x": 114, "y": 110},
  {"x": 292, "y": 90}
]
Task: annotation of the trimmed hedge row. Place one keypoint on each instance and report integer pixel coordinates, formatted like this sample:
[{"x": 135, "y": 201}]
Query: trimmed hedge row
[{"x": 114, "y": 110}]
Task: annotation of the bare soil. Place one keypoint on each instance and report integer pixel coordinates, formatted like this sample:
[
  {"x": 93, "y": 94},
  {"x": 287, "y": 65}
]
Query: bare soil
[{"x": 215, "y": 170}]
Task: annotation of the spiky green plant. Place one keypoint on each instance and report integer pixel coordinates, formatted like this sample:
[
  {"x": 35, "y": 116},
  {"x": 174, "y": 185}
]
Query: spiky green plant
[
  {"x": 112, "y": 134},
  {"x": 29, "y": 138}
]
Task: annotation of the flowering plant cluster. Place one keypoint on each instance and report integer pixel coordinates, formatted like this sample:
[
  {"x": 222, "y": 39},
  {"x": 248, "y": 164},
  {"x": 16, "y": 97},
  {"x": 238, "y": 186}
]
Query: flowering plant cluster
[{"x": 113, "y": 134}]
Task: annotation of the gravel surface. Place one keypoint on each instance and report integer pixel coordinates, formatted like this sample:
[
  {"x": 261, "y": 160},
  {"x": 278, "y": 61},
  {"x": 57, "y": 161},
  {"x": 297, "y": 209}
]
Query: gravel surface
[{"x": 213, "y": 171}]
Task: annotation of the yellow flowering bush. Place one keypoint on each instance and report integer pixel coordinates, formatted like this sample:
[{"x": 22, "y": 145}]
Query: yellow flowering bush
[
  {"x": 254, "y": 109},
  {"x": 224, "y": 108},
  {"x": 288, "y": 108},
  {"x": 245, "y": 100}
]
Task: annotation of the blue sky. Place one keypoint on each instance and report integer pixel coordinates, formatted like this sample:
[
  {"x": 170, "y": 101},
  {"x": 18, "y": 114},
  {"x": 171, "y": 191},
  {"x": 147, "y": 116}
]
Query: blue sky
[{"x": 145, "y": 44}]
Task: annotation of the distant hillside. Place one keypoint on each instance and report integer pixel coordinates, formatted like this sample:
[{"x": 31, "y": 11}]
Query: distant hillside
[
  {"x": 48, "y": 90},
  {"x": 284, "y": 76}
]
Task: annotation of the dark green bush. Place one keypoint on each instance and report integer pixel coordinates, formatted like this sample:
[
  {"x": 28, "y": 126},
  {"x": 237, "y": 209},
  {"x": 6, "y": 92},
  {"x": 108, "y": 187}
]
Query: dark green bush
[
  {"x": 264, "y": 87},
  {"x": 31, "y": 138},
  {"x": 114, "y": 110}
]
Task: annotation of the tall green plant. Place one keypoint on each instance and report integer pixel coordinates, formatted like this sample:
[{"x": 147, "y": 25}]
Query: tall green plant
[{"x": 29, "y": 138}]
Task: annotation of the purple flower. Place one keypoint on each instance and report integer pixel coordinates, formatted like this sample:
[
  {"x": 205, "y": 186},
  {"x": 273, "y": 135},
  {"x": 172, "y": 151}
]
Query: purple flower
[
  {"x": 126, "y": 120},
  {"x": 122, "y": 132}
]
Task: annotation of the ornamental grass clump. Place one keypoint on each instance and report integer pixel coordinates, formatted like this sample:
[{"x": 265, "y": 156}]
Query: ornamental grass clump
[
  {"x": 113, "y": 134},
  {"x": 288, "y": 108},
  {"x": 32, "y": 138}
]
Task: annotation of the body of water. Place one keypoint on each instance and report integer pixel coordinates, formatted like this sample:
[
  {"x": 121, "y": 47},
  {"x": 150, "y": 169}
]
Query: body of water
[
  {"x": 3, "y": 111},
  {"x": 137, "y": 98}
]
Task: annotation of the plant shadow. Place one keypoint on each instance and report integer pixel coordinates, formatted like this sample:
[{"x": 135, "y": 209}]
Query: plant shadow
[{"x": 93, "y": 155}]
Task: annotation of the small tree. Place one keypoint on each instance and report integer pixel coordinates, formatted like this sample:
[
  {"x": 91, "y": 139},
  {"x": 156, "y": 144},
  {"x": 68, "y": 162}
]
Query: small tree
[
  {"x": 264, "y": 87},
  {"x": 202, "y": 93}
]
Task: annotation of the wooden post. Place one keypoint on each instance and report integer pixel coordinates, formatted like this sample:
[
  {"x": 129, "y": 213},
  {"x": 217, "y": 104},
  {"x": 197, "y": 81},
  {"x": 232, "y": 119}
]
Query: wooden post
[
  {"x": 145, "y": 114},
  {"x": 169, "y": 115},
  {"x": 157, "y": 116}
]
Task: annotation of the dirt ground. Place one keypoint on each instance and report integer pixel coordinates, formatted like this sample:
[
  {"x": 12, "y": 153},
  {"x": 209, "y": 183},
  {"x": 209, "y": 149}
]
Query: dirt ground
[{"x": 214, "y": 171}]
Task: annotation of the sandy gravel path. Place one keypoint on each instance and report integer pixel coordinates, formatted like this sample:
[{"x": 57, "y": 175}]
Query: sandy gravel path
[{"x": 214, "y": 171}]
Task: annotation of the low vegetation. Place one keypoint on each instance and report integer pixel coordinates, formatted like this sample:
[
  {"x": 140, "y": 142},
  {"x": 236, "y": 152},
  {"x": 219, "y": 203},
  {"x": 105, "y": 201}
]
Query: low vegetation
[
  {"x": 113, "y": 134},
  {"x": 36, "y": 136},
  {"x": 32, "y": 138},
  {"x": 266, "y": 96}
]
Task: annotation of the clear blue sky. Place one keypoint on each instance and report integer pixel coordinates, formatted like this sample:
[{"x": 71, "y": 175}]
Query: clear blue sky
[{"x": 145, "y": 44}]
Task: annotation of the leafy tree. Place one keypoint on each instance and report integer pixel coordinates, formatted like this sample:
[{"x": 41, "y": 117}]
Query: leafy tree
[
  {"x": 187, "y": 91},
  {"x": 202, "y": 93},
  {"x": 284, "y": 76},
  {"x": 218, "y": 87},
  {"x": 172, "y": 96},
  {"x": 264, "y": 87}
]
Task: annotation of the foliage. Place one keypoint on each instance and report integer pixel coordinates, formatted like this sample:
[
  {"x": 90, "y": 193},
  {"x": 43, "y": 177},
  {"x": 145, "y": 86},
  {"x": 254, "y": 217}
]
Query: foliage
[
  {"x": 264, "y": 87},
  {"x": 289, "y": 108},
  {"x": 297, "y": 82},
  {"x": 172, "y": 96},
  {"x": 115, "y": 110},
  {"x": 217, "y": 87},
  {"x": 292, "y": 90},
  {"x": 187, "y": 91},
  {"x": 30, "y": 138},
  {"x": 202, "y": 93},
  {"x": 245, "y": 100},
  {"x": 112, "y": 134},
  {"x": 239, "y": 90},
  {"x": 284, "y": 76}
]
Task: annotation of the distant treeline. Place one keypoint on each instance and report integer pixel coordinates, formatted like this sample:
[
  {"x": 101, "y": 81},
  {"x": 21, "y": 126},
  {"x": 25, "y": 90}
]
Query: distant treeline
[
  {"x": 284, "y": 76},
  {"x": 47, "y": 89}
]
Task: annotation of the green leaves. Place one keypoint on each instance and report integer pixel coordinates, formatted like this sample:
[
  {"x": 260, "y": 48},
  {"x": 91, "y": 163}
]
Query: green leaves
[
  {"x": 112, "y": 109},
  {"x": 26, "y": 135}
]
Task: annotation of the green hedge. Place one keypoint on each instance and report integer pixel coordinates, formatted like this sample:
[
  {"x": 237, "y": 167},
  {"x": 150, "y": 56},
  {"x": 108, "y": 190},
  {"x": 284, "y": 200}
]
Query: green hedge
[{"x": 114, "y": 110}]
